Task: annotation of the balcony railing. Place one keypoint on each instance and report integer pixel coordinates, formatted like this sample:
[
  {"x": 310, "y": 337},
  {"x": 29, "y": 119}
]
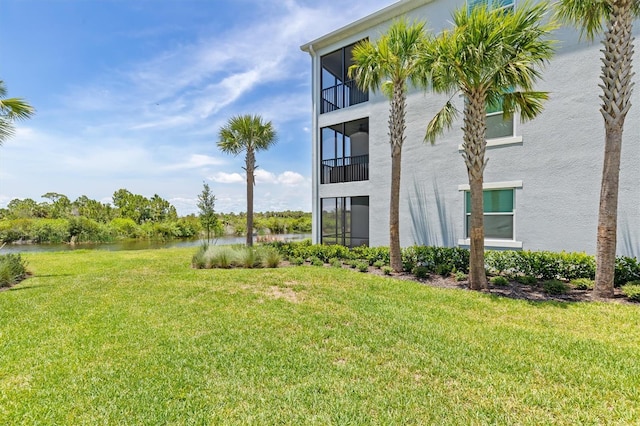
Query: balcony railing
[
  {"x": 342, "y": 95},
  {"x": 345, "y": 169},
  {"x": 345, "y": 239}
]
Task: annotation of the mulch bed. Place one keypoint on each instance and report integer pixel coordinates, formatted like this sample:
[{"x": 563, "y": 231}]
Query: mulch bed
[{"x": 513, "y": 290}]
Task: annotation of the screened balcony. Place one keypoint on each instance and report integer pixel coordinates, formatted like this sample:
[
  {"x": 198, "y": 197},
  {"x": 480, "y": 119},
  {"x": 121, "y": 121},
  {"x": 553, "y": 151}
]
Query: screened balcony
[
  {"x": 338, "y": 91},
  {"x": 345, "y": 152}
]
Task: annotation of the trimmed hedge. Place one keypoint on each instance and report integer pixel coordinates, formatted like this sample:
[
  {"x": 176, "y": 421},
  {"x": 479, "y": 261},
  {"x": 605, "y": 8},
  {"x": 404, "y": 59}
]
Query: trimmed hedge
[{"x": 538, "y": 265}]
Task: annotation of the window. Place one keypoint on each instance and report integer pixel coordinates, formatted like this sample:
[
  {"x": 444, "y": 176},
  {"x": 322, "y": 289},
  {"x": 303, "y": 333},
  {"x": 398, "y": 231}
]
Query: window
[
  {"x": 491, "y": 4},
  {"x": 499, "y": 212},
  {"x": 345, "y": 152},
  {"x": 345, "y": 221},
  {"x": 498, "y": 126},
  {"x": 338, "y": 91}
]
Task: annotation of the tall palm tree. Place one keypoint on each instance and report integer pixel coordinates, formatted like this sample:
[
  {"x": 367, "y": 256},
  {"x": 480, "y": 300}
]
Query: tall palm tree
[
  {"x": 615, "y": 19},
  {"x": 247, "y": 133},
  {"x": 490, "y": 57},
  {"x": 389, "y": 64},
  {"x": 11, "y": 109}
]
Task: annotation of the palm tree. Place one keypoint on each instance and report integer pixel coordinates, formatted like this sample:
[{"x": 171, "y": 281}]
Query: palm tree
[
  {"x": 11, "y": 109},
  {"x": 490, "y": 57},
  {"x": 388, "y": 64},
  {"x": 249, "y": 134},
  {"x": 618, "y": 15}
]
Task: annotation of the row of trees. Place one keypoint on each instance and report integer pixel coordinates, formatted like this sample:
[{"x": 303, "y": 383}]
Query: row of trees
[
  {"x": 125, "y": 205},
  {"x": 491, "y": 56}
]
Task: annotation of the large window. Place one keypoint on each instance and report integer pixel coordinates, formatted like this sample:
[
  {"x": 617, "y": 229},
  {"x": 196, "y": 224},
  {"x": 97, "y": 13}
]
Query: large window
[
  {"x": 345, "y": 221},
  {"x": 499, "y": 213},
  {"x": 338, "y": 91},
  {"x": 345, "y": 152},
  {"x": 491, "y": 4}
]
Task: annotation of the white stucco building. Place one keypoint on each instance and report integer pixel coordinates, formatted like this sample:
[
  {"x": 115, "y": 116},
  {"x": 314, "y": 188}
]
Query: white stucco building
[{"x": 542, "y": 182}]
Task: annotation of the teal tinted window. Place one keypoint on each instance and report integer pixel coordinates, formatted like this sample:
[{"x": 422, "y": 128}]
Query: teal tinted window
[
  {"x": 495, "y": 201},
  {"x": 493, "y": 4}
]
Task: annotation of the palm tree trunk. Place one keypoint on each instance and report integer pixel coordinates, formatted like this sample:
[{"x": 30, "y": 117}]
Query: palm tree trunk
[
  {"x": 396, "y": 134},
  {"x": 617, "y": 87},
  {"x": 251, "y": 164},
  {"x": 474, "y": 156}
]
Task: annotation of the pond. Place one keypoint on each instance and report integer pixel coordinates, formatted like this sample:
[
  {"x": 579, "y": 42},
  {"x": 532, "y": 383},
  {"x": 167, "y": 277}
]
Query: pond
[{"x": 136, "y": 244}]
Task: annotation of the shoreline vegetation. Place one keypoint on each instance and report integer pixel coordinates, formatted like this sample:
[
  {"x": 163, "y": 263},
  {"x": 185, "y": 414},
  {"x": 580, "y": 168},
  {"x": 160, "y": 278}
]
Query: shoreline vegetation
[{"x": 141, "y": 337}]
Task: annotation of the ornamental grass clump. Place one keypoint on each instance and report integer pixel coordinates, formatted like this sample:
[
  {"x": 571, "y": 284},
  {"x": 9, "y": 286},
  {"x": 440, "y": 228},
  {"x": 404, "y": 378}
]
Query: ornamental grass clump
[{"x": 13, "y": 269}]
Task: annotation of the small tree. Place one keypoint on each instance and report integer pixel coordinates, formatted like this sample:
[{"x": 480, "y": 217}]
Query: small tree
[
  {"x": 206, "y": 204},
  {"x": 247, "y": 133}
]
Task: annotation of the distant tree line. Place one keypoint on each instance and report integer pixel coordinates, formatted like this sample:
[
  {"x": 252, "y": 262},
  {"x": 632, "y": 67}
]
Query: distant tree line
[{"x": 60, "y": 220}]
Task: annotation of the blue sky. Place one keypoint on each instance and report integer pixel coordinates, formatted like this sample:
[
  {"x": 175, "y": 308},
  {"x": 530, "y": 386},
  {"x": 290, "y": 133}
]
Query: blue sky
[{"x": 131, "y": 94}]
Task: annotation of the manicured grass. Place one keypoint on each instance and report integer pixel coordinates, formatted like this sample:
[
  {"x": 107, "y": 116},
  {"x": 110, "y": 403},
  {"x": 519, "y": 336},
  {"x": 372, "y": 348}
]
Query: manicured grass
[{"x": 141, "y": 338}]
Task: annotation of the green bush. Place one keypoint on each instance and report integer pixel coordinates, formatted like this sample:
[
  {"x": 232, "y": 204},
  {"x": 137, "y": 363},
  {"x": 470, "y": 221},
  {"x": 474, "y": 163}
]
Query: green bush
[
  {"x": 363, "y": 267},
  {"x": 315, "y": 261},
  {"x": 632, "y": 290},
  {"x": 582, "y": 283},
  {"x": 297, "y": 261},
  {"x": 13, "y": 269},
  {"x": 460, "y": 276},
  {"x": 378, "y": 264},
  {"x": 387, "y": 270},
  {"x": 526, "y": 279},
  {"x": 555, "y": 287},
  {"x": 626, "y": 269},
  {"x": 442, "y": 259},
  {"x": 335, "y": 262},
  {"x": 50, "y": 231},
  {"x": 499, "y": 281},
  {"x": 421, "y": 272}
]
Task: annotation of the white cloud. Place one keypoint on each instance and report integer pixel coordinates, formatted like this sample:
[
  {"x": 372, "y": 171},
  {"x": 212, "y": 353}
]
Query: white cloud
[
  {"x": 222, "y": 177},
  {"x": 196, "y": 161},
  {"x": 291, "y": 179}
]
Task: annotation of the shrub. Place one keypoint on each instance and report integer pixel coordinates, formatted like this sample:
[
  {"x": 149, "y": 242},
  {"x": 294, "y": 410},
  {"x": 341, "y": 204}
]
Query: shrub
[
  {"x": 421, "y": 272},
  {"x": 335, "y": 262},
  {"x": 444, "y": 269},
  {"x": 526, "y": 279},
  {"x": 250, "y": 258},
  {"x": 271, "y": 257},
  {"x": 555, "y": 287},
  {"x": 632, "y": 290},
  {"x": 297, "y": 261},
  {"x": 582, "y": 283},
  {"x": 316, "y": 261},
  {"x": 499, "y": 281},
  {"x": 387, "y": 270},
  {"x": 198, "y": 260},
  {"x": 460, "y": 276},
  {"x": 378, "y": 264},
  {"x": 222, "y": 256},
  {"x": 13, "y": 269},
  {"x": 363, "y": 267},
  {"x": 627, "y": 269}
]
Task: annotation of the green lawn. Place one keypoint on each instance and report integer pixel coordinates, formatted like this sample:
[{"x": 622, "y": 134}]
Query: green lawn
[{"x": 139, "y": 337}]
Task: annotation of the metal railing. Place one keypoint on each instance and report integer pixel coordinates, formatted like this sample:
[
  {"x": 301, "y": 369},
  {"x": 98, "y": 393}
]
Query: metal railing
[
  {"x": 342, "y": 95},
  {"x": 345, "y": 169}
]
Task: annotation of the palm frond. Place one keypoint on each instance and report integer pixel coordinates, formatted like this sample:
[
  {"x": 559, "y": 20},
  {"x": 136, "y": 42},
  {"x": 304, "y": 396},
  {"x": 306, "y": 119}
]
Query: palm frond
[
  {"x": 587, "y": 15},
  {"x": 529, "y": 104},
  {"x": 443, "y": 120}
]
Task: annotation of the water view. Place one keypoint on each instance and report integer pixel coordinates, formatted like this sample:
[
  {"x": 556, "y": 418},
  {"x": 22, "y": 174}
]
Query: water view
[{"x": 138, "y": 244}]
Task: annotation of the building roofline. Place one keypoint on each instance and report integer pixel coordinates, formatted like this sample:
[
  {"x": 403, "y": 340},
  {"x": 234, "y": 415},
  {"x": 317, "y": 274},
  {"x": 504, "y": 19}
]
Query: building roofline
[{"x": 392, "y": 11}]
